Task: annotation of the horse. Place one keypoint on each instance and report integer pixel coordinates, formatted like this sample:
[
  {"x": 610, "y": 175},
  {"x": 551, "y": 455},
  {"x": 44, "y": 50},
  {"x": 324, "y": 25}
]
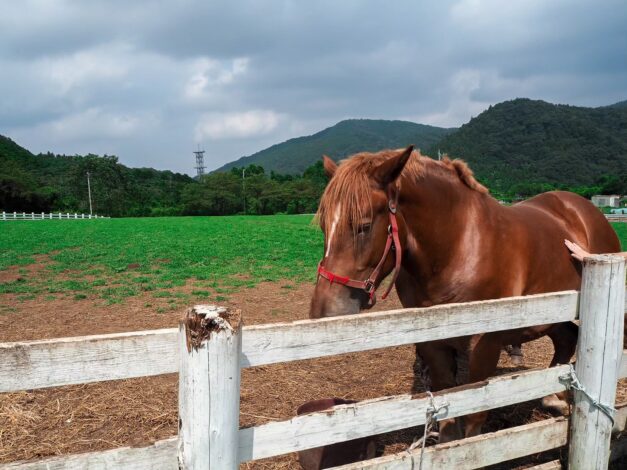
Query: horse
[{"x": 448, "y": 240}]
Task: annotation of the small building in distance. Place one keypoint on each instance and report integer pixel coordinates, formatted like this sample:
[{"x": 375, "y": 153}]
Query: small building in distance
[{"x": 610, "y": 200}]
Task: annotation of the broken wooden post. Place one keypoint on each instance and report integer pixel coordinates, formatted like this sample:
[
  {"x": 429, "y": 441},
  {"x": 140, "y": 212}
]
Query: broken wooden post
[
  {"x": 210, "y": 345},
  {"x": 599, "y": 352}
]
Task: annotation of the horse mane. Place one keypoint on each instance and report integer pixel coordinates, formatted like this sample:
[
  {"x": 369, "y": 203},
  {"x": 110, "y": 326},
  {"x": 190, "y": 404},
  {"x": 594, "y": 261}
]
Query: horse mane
[
  {"x": 464, "y": 173},
  {"x": 352, "y": 184}
]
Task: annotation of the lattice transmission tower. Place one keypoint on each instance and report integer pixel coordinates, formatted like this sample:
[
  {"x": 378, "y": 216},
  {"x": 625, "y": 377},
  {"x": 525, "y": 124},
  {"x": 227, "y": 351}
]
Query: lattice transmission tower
[{"x": 200, "y": 162}]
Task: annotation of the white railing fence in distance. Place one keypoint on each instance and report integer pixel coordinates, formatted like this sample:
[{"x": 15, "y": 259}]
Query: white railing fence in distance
[
  {"x": 212, "y": 347},
  {"x": 48, "y": 216},
  {"x": 616, "y": 217}
]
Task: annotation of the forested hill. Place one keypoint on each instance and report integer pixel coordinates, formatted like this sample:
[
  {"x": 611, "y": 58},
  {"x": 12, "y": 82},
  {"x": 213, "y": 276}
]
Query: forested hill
[
  {"x": 522, "y": 146},
  {"x": 339, "y": 141},
  {"x": 58, "y": 182},
  {"x": 47, "y": 182}
]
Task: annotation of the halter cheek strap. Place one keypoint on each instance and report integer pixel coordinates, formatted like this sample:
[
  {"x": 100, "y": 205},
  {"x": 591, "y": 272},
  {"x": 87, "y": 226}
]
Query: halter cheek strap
[{"x": 393, "y": 243}]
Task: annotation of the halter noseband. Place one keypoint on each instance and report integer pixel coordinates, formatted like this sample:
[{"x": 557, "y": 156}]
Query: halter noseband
[{"x": 393, "y": 243}]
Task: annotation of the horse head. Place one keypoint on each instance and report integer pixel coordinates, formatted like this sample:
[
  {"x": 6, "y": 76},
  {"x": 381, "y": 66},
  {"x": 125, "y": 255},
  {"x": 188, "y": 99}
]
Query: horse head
[{"x": 363, "y": 231}]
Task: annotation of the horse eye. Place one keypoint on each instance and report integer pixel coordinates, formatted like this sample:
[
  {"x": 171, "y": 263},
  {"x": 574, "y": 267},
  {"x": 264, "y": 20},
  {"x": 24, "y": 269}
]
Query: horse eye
[{"x": 363, "y": 228}]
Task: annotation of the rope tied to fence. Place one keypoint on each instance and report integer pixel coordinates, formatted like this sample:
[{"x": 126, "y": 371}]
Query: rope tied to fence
[
  {"x": 431, "y": 413},
  {"x": 572, "y": 383}
]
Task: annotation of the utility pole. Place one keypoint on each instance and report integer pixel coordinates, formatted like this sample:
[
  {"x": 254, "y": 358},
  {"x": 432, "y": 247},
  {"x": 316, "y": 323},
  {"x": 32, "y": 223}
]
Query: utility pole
[
  {"x": 89, "y": 193},
  {"x": 244, "y": 184}
]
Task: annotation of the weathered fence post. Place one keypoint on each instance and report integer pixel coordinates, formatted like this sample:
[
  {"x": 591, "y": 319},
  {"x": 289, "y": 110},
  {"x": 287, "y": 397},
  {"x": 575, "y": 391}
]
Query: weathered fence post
[
  {"x": 210, "y": 345},
  {"x": 599, "y": 352}
]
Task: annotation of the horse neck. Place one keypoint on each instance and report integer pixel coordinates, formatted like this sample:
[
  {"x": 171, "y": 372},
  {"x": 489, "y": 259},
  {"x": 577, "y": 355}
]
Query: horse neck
[{"x": 444, "y": 218}]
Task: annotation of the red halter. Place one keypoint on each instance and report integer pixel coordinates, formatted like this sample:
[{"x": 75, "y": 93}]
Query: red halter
[{"x": 393, "y": 243}]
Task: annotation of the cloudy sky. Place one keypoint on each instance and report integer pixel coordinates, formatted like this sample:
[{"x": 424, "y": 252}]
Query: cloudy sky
[{"x": 148, "y": 81}]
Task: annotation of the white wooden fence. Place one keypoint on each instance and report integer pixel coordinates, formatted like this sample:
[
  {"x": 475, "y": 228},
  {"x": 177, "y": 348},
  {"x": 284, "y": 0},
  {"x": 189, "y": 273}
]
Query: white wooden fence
[
  {"x": 616, "y": 217},
  {"x": 211, "y": 347},
  {"x": 48, "y": 216}
]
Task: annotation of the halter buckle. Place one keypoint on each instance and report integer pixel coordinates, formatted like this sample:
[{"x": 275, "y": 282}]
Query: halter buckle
[
  {"x": 369, "y": 286},
  {"x": 392, "y": 206}
]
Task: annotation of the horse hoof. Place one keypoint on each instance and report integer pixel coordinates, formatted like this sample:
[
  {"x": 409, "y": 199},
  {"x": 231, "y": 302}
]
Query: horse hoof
[
  {"x": 553, "y": 403},
  {"x": 516, "y": 360}
]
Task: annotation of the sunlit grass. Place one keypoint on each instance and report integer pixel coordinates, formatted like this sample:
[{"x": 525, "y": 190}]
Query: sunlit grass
[{"x": 119, "y": 258}]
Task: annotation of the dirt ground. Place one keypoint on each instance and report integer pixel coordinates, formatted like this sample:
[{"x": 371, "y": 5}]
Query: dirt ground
[{"x": 83, "y": 418}]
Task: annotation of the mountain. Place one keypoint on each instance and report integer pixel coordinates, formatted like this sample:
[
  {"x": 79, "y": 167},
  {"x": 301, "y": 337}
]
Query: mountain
[
  {"x": 620, "y": 104},
  {"x": 534, "y": 142},
  {"x": 339, "y": 141}
]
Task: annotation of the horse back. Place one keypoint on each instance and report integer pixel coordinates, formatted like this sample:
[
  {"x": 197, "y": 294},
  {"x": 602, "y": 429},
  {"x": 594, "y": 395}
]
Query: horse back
[
  {"x": 539, "y": 227},
  {"x": 569, "y": 212}
]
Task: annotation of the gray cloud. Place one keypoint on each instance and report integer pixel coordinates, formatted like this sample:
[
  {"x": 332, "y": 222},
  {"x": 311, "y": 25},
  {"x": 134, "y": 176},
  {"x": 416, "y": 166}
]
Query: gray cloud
[{"x": 148, "y": 81}]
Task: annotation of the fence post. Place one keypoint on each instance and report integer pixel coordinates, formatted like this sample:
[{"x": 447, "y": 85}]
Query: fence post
[
  {"x": 599, "y": 352},
  {"x": 210, "y": 345}
]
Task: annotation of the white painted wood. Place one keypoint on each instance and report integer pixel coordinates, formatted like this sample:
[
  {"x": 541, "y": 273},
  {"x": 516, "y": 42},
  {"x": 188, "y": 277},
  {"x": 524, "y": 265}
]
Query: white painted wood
[
  {"x": 159, "y": 456},
  {"x": 49, "y": 363},
  {"x": 366, "y": 418},
  {"x": 43, "y": 215},
  {"x": 282, "y": 342},
  {"x": 64, "y": 361},
  {"x": 599, "y": 352},
  {"x": 476, "y": 452},
  {"x": 210, "y": 389}
]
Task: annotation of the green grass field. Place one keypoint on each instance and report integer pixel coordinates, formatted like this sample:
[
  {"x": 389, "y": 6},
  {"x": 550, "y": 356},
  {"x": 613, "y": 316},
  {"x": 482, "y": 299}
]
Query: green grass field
[{"x": 119, "y": 258}]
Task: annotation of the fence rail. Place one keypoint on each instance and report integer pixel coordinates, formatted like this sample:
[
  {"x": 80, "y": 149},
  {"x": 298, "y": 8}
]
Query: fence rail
[
  {"x": 48, "y": 216},
  {"x": 65, "y": 361},
  {"x": 211, "y": 348},
  {"x": 616, "y": 217}
]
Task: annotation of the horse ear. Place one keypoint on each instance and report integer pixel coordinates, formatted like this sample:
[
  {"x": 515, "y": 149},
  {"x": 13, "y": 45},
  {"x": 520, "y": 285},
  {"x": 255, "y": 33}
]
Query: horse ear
[
  {"x": 329, "y": 166},
  {"x": 389, "y": 170}
]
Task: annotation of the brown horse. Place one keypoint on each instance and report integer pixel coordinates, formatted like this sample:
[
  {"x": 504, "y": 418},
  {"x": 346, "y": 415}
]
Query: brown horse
[{"x": 457, "y": 244}]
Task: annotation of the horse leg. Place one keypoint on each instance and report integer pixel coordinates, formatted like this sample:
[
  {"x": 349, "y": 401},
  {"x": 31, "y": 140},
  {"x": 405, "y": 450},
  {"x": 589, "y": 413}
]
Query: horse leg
[
  {"x": 438, "y": 361},
  {"x": 564, "y": 338},
  {"x": 483, "y": 358},
  {"x": 515, "y": 353}
]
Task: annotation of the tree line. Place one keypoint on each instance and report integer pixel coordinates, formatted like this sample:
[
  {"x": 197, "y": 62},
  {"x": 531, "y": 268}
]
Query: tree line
[{"x": 51, "y": 183}]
